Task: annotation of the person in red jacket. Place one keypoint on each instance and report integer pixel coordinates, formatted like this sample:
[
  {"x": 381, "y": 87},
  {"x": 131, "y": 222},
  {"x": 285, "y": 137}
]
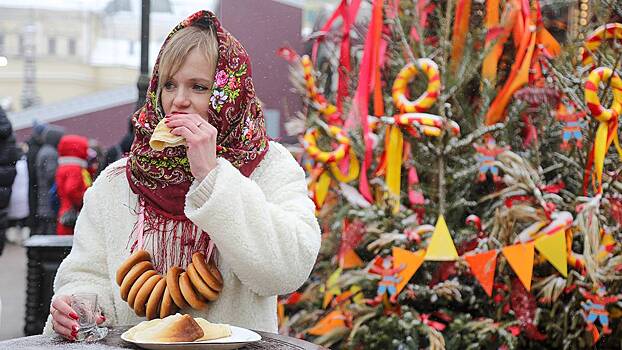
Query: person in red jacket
[{"x": 72, "y": 180}]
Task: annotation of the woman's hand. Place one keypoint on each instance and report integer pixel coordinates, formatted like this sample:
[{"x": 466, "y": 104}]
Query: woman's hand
[
  {"x": 200, "y": 141},
  {"x": 65, "y": 319}
]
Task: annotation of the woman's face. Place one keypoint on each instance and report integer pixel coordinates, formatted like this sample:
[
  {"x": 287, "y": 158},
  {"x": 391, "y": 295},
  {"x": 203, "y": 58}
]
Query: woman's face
[{"x": 188, "y": 91}]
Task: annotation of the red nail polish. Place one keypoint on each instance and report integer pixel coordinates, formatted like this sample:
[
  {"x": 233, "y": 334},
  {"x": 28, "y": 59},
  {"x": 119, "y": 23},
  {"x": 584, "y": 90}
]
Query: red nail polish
[
  {"x": 103, "y": 318},
  {"x": 74, "y": 329},
  {"x": 73, "y": 315}
]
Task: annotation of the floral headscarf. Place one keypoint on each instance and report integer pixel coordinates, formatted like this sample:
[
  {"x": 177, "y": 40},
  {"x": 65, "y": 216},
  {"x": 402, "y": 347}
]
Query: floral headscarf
[{"x": 161, "y": 179}]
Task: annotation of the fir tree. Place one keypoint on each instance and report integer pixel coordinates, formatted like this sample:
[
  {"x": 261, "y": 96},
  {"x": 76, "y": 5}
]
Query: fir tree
[{"x": 540, "y": 158}]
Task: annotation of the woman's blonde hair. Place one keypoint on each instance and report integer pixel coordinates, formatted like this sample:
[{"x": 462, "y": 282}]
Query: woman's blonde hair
[{"x": 179, "y": 46}]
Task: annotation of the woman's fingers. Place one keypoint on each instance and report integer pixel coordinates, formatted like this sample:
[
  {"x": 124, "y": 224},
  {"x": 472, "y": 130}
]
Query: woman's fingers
[
  {"x": 64, "y": 317},
  {"x": 63, "y": 331},
  {"x": 61, "y": 305},
  {"x": 188, "y": 123},
  {"x": 201, "y": 139},
  {"x": 184, "y": 132},
  {"x": 191, "y": 132},
  {"x": 65, "y": 326}
]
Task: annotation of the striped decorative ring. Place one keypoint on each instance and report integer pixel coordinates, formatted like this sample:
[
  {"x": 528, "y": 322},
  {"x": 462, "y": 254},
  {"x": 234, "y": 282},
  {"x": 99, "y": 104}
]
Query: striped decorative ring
[
  {"x": 596, "y": 38},
  {"x": 427, "y": 99},
  {"x": 599, "y": 112},
  {"x": 310, "y": 145}
]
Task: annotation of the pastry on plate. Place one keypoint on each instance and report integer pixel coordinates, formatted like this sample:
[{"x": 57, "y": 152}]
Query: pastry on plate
[{"x": 177, "y": 328}]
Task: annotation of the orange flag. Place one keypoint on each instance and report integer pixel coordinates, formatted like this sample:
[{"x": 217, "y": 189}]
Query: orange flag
[
  {"x": 350, "y": 260},
  {"x": 483, "y": 266},
  {"x": 333, "y": 320},
  {"x": 412, "y": 262},
  {"x": 520, "y": 257}
]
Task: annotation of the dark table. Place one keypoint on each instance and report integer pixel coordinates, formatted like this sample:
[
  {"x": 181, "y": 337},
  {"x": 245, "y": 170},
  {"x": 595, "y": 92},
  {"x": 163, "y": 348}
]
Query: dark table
[{"x": 113, "y": 341}]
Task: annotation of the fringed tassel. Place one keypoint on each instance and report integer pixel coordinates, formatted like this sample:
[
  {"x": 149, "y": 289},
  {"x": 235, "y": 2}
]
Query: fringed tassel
[
  {"x": 170, "y": 241},
  {"x": 116, "y": 171}
]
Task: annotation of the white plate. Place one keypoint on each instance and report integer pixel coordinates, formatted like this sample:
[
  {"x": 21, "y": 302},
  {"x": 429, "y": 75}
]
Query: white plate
[{"x": 239, "y": 337}]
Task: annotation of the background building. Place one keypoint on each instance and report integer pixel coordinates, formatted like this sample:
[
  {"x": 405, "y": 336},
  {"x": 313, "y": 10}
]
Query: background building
[{"x": 67, "y": 56}]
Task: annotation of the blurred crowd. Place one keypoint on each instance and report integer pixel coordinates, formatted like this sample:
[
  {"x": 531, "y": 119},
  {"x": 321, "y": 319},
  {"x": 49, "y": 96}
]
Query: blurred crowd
[{"x": 42, "y": 181}]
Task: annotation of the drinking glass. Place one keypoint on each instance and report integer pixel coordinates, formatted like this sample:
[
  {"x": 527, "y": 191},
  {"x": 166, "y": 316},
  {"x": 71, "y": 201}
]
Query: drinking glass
[{"x": 87, "y": 308}]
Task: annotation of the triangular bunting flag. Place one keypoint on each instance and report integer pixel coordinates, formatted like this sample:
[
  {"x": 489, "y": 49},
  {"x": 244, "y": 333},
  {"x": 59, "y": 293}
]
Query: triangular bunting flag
[
  {"x": 441, "y": 246},
  {"x": 483, "y": 266},
  {"x": 333, "y": 320},
  {"x": 520, "y": 257},
  {"x": 350, "y": 260},
  {"x": 332, "y": 287},
  {"x": 553, "y": 248},
  {"x": 411, "y": 260}
]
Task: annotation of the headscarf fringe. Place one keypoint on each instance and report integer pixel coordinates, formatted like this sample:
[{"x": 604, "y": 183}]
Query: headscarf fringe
[{"x": 172, "y": 241}]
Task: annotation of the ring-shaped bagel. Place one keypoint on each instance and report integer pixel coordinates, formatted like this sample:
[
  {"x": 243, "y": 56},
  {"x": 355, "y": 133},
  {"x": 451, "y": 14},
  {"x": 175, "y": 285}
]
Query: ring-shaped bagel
[
  {"x": 140, "y": 304},
  {"x": 135, "y": 272},
  {"x": 172, "y": 281},
  {"x": 137, "y": 284},
  {"x": 216, "y": 273},
  {"x": 135, "y": 258},
  {"x": 200, "y": 285},
  {"x": 203, "y": 268},
  {"x": 195, "y": 300},
  {"x": 155, "y": 299},
  {"x": 168, "y": 306}
]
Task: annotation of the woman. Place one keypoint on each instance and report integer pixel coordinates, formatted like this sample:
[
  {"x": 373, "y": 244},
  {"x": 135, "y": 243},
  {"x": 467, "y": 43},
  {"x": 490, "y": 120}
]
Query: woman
[
  {"x": 72, "y": 180},
  {"x": 229, "y": 188}
]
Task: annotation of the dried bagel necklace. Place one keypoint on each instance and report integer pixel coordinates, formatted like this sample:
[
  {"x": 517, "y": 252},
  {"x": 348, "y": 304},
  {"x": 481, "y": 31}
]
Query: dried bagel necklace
[{"x": 153, "y": 295}]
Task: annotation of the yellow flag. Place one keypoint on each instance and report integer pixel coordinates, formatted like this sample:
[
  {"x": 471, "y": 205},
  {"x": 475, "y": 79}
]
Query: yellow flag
[
  {"x": 553, "y": 248},
  {"x": 441, "y": 246},
  {"x": 332, "y": 287}
]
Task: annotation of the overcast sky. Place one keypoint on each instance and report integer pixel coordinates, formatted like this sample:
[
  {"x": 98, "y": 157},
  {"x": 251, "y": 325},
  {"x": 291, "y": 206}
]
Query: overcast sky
[{"x": 180, "y": 6}]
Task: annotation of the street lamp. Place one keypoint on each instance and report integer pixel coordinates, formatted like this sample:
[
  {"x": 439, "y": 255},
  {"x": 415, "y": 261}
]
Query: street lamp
[{"x": 143, "y": 79}]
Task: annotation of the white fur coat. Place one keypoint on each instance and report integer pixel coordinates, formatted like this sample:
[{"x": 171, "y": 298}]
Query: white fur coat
[{"x": 264, "y": 228}]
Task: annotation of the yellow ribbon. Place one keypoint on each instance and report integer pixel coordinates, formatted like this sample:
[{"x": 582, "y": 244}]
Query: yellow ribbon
[
  {"x": 321, "y": 189},
  {"x": 353, "y": 171},
  {"x": 394, "y": 166}
]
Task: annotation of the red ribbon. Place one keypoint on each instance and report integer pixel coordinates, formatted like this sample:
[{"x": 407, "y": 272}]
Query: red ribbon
[
  {"x": 347, "y": 11},
  {"x": 369, "y": 64}
]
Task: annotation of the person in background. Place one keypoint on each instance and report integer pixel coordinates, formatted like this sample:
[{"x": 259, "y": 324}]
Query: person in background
[
  {"x": 46, "y": 164},
  {"x": 72, "y": 180},
  {"x": 121, "y": 149},
  {"x": 35, "y": 142},
  {"x": 19, "y": 210},
  {"x": 95, "y": 157},
  {"x": 8, "y": 157}
]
